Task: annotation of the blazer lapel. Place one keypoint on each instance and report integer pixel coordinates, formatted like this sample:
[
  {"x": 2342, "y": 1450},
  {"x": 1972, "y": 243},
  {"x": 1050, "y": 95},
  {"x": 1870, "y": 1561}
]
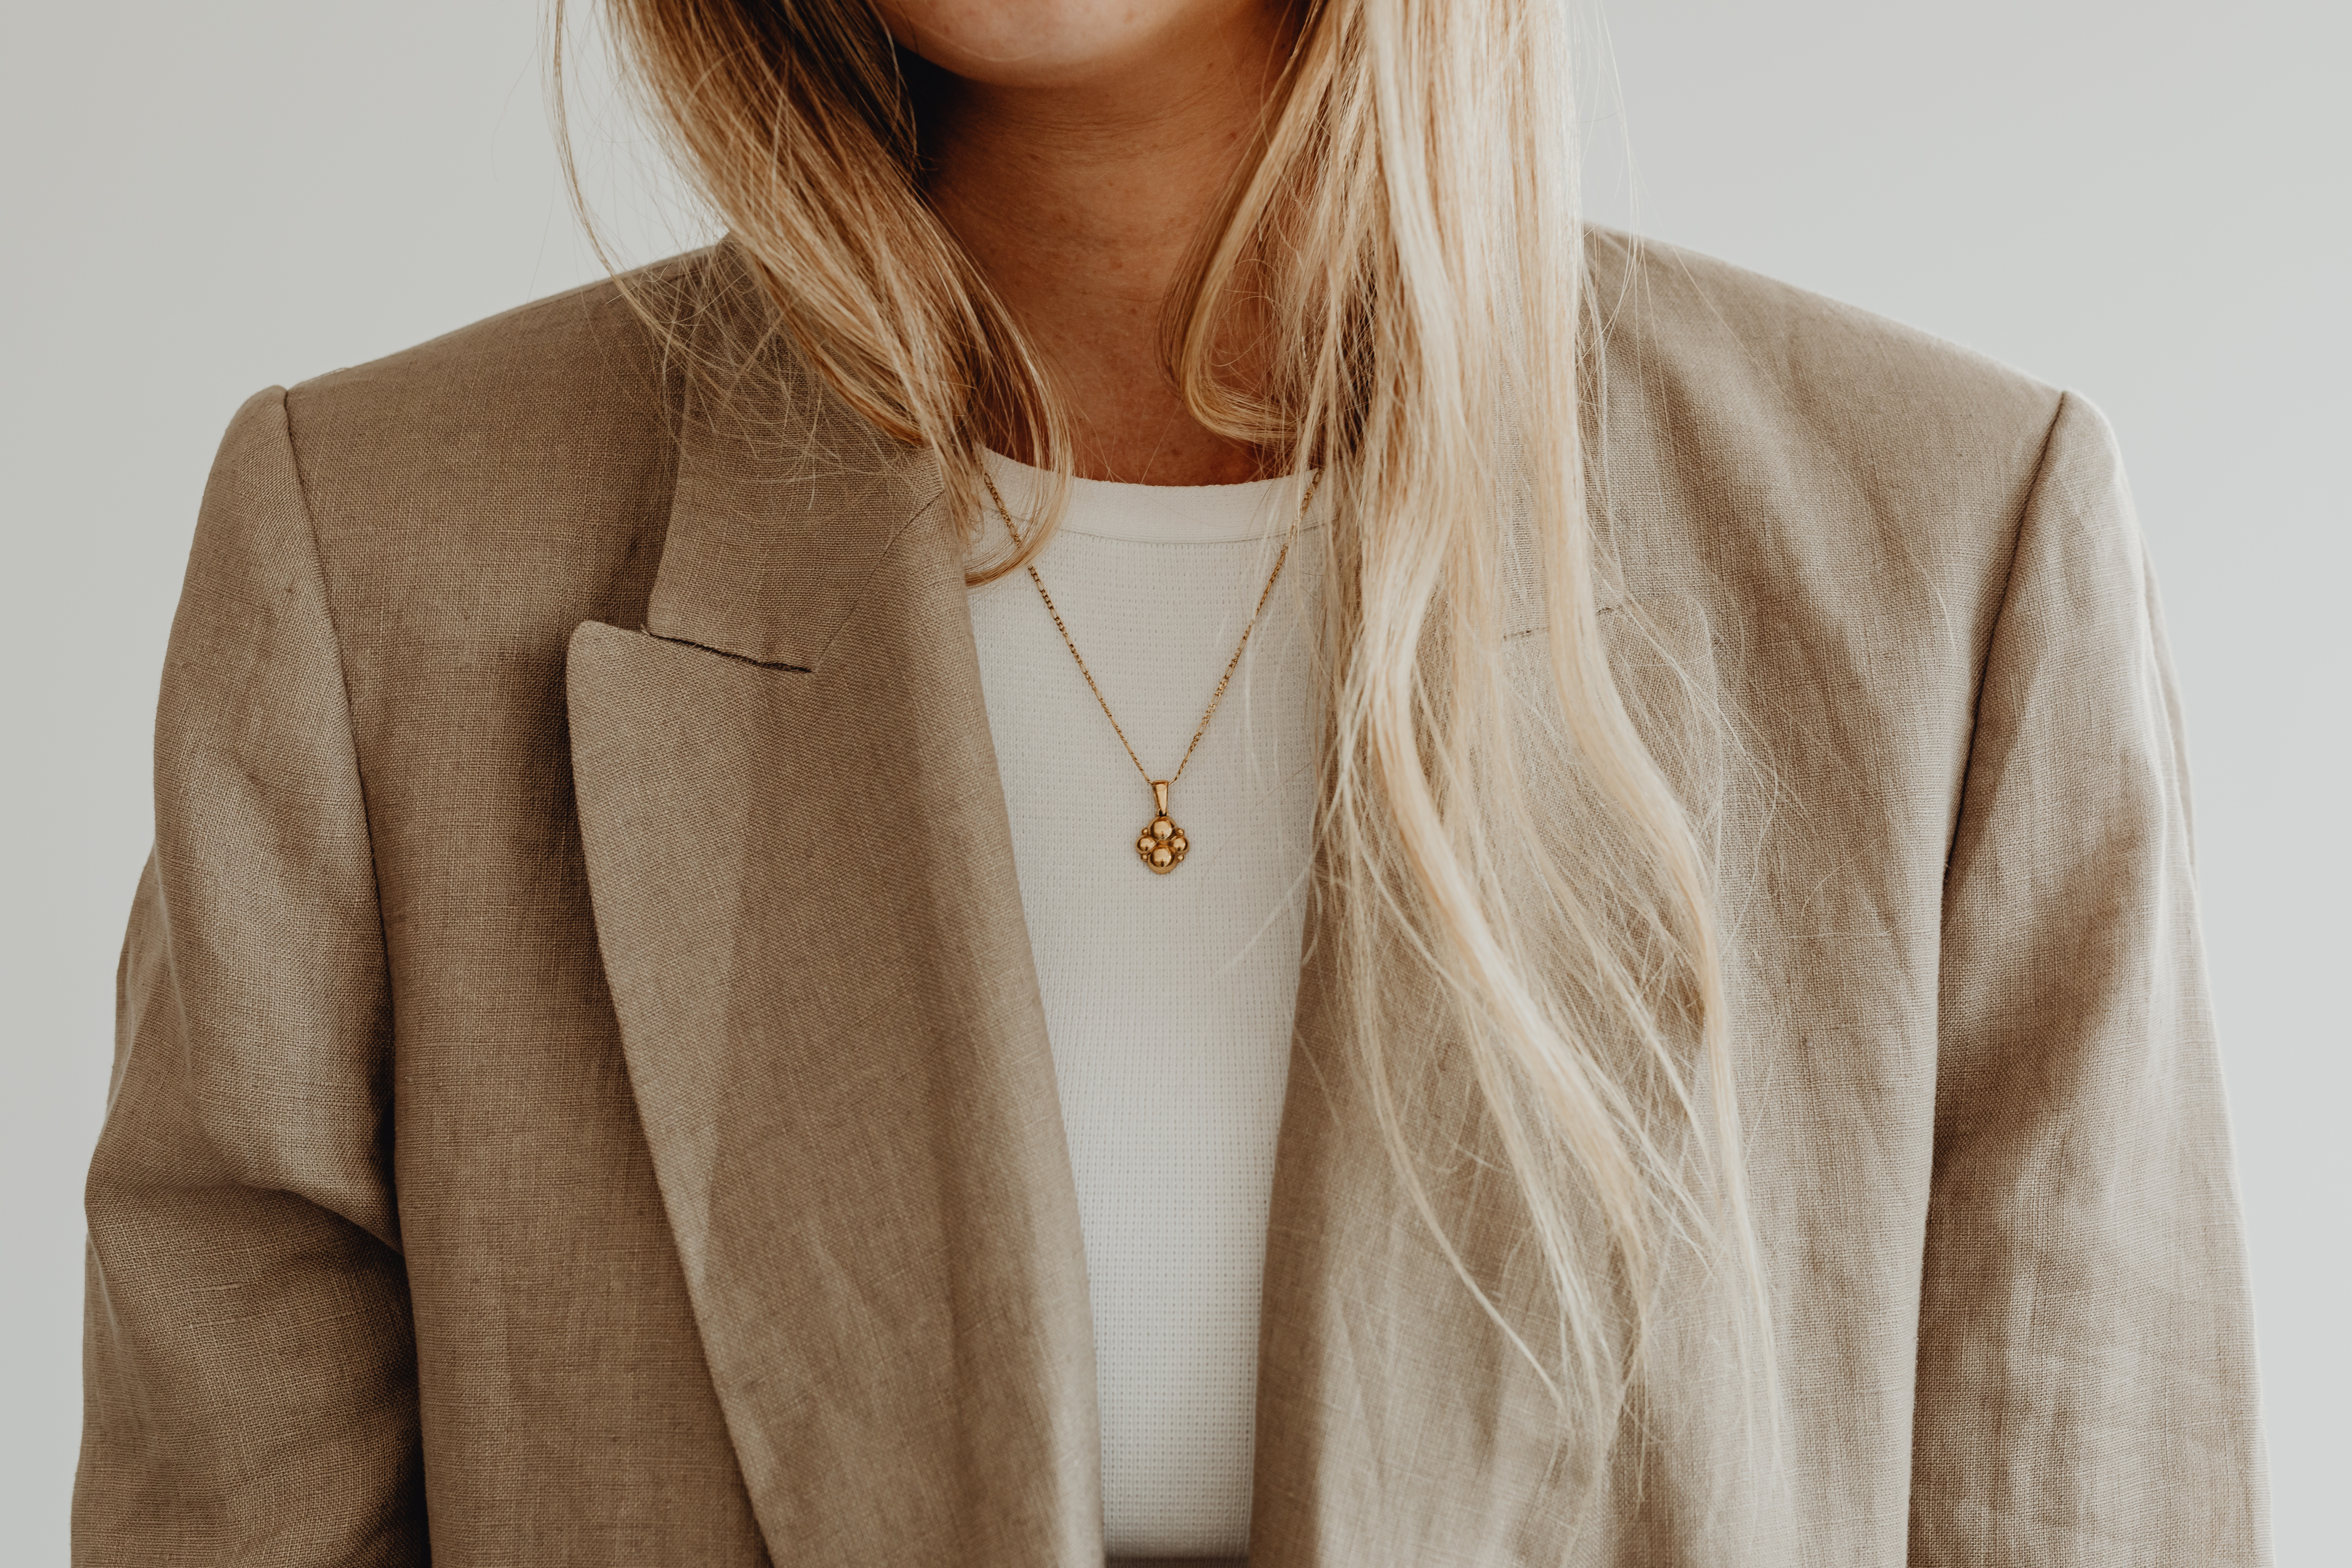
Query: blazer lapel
[{"x": 805, "y": 899}]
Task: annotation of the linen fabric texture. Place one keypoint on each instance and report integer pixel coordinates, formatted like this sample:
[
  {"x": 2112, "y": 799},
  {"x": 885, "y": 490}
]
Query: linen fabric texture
[{"x": 581, "y": 1095}]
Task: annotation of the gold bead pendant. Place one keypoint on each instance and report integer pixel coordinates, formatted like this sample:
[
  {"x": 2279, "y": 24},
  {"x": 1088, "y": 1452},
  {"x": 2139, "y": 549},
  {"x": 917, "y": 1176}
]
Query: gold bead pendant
[{"x": 1161, "y": 845}]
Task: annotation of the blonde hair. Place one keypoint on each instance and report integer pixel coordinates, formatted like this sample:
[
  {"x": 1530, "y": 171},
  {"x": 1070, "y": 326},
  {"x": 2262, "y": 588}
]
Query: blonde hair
[{"x": 1403, "y": 240}]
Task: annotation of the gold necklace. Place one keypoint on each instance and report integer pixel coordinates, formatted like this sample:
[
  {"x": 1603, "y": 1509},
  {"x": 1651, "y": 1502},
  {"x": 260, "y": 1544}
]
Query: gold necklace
[{"x": 1162, "y": 846}]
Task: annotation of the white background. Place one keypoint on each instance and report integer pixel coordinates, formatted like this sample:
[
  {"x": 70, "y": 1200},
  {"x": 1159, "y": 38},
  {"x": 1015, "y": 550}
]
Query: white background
[{"x": 2144, "y": 201}]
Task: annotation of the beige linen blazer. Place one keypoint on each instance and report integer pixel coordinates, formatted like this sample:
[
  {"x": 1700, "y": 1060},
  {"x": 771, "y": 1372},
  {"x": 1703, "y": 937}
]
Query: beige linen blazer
[{"x": 582, "y": 1097}]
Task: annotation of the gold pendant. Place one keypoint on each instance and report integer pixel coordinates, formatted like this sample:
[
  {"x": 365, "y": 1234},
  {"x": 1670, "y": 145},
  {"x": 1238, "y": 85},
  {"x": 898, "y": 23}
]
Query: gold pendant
[{"x": 1162, "y": 846}]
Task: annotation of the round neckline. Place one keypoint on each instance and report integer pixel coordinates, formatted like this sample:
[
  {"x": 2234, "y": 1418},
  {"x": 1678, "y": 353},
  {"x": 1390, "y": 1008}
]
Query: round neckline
[{"x": 1158, "y": 514}]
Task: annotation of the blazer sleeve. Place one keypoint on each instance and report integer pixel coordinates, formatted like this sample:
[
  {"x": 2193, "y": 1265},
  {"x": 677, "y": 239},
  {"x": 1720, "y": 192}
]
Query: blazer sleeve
[
  {"x": 2086, "y": 1387},
  {"x": 249, "y": 1369}
]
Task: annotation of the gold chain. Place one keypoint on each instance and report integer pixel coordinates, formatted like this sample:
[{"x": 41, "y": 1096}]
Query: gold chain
[{"x": 1163, "y": 832}]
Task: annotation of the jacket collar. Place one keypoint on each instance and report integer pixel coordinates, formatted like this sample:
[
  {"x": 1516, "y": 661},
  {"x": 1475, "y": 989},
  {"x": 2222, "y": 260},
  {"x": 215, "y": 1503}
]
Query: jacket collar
[{"x": 784, "y": 505}]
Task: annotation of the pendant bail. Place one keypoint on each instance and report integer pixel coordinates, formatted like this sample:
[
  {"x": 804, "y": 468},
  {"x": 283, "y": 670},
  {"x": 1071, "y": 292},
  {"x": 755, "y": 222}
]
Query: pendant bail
[{"x": 1160, "y": 794}]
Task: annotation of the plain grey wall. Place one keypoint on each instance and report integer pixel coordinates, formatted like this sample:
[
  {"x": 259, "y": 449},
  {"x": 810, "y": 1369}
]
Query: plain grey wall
[{"x": 2144, "y": 201}]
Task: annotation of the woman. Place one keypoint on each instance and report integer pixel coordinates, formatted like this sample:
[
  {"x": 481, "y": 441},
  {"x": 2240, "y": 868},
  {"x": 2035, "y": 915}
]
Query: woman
[{"x": 694, "y": 1002}]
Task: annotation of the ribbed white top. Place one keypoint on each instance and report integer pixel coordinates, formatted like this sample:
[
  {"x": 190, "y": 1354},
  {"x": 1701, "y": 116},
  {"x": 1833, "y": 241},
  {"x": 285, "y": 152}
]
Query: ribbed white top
[{"x": 1168, "y": 999}]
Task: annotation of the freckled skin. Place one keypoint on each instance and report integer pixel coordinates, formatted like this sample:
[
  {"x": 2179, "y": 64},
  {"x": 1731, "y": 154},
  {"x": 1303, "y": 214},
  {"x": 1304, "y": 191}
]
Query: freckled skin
[{"x": 1078, "y": 149}]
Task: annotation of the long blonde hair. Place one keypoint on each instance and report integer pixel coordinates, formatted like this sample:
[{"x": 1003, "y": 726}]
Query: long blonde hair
[{"x": 1405, "y": 225}]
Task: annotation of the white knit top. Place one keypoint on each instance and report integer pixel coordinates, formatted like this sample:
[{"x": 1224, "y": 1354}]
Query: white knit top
[{"x": 1168, "y": 999}]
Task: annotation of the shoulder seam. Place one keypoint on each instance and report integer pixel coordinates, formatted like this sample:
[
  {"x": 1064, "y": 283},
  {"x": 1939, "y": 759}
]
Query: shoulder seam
[
  {"x": 2000, "y": 613},
  {"x": 343, "y": 675}
]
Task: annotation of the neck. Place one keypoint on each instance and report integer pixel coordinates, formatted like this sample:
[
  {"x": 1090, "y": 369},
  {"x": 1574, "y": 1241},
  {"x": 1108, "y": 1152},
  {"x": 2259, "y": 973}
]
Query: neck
[{"x": 1080, "y": 201}]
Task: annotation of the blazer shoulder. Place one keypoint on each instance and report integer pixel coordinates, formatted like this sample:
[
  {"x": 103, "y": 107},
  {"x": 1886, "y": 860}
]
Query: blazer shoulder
[
  {"x": 1775, "y": 351},
  {"x": 523, "y": 461},
  {"x": 1788, "y": 453},
  {"x": 556, "y": 370}
]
